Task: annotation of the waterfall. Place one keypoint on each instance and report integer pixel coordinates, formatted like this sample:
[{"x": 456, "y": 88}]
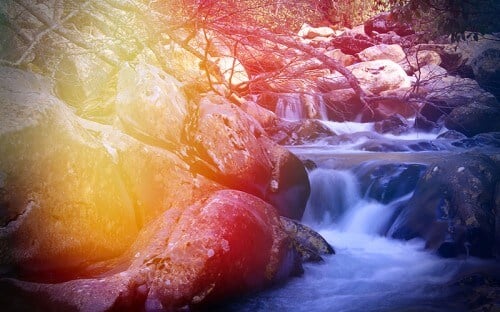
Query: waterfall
[{"x": 290, "y": 107}]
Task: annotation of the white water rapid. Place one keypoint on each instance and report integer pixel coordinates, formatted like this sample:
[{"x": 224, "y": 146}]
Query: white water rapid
[{"x": 369, "y": 271}]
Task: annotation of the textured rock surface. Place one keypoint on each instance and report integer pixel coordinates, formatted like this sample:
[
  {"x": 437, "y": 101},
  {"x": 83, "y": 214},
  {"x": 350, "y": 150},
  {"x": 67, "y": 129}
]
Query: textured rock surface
[
  {"x": 239, "y": 245},
  {"x": 453, "y": 219}
]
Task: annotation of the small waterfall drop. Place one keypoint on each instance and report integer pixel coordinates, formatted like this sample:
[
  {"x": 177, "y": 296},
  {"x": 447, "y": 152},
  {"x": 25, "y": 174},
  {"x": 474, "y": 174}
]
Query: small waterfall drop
[
  {"x": 336, "y": 200},
  {"x": 290, "y": 107}
]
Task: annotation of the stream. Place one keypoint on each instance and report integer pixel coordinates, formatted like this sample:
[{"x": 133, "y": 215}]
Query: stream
[{"x": 350, "y": 208}]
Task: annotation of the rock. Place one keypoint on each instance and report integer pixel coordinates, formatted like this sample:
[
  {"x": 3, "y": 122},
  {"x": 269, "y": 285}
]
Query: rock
[
  {"x": 443, "y": 94},
  {"x": 483, "y": 57},
  {"x": 391, "y": 52},
  {"x": 451, "y": 135},
  {"x": 289, "y": 187},
  {"x": 388, "y": 182},
  {"x": 265, "y": 117},
  {"x": 342, "y": 104},
  {"x": 91, "y": 186},
  {"x": 384, "y": 23},
  {"x": 226, "y": 139},
  {"x": 148, "y": 99},
  {"x": 422, "y": 123},
  {"x": 374, "y": 76},
  {"x": 395, "y": 124},
  {"x": 309, "y": 32},
  {"x": 442, "y": 211},
  {"x": 307, "y": 242},
  {"x": 240, "y": 156},
  {"x": 226, "y": 245},
  {"x": 344, "y": 59},
  {"x": 351, "y": 45},
  {"x": 63, "y": 201},
  {"x": 422, "y": 58},
  {"x": 394, "y": 102},
  {"x": 82, "y": 79},
  {"x": 302, "y": 132},
  {"x": 491, "y": 139},
  {"x": 473, "y": 119},
  {"x": 430, "y": 74},
  {"x": 233, "y": 72}
]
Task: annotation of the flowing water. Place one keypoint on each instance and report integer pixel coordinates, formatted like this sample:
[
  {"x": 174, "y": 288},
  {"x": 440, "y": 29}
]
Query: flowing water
[{"x": 370, "y": 271}]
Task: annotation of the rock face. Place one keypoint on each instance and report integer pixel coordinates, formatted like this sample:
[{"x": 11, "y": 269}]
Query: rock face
[
  {"x": 74, "y": 177},
  {"x": 239, "y": 245},
  {"x": 474, "y": 119},
  {"x": 453, "y": 219},
  {"x": 148, "y": 99},
  {"x": 59, "y": 175}
]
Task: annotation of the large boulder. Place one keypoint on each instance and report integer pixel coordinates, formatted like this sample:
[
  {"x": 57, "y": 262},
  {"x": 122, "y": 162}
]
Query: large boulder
[
  {"x": 92, "y": 187},
  {"x": 473, "y": 119},
  {"x": 63, "y": 202},
  {"x": 374, "y": 76},
  {"x": 225, "y": 245},
  {"x": 240, "y": 156},
  {"x": 308, "y": 32},
  {"x": 391, "y": 52},
  {"x": 454, "y": 219}
]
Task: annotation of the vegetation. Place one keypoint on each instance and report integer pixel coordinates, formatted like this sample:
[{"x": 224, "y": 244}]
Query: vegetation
[{"x": 458, "y": 18}]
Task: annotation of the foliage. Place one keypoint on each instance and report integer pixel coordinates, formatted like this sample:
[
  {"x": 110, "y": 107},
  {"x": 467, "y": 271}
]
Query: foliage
[
  {"x": 356, "y": 12},
  {"x": 450, "y": 17}
]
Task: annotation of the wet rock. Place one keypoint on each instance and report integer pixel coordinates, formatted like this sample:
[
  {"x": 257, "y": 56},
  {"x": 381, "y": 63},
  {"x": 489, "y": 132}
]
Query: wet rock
[
  {"x": 391, "y": 52},
  {"x": 289, "y": 187},
  {"x": 299, "y": 132},
  {"x": 239, "y": 246},
  {"x": 383, "y": 146},
  {"x": 452, "y": 135},
  {"x": 481, "y": 140},
  {"x": 448, "y": 215},
  {"x": 395, "y": 124},
  {"x": 307, "y": 242},
  {"x": 387, "y": 182},
  {"x": 447, "y": 93},
  {"x": 473, "y": 119}
]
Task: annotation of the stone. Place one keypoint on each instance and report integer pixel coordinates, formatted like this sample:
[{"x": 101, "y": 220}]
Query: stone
[
  {"x": 226, "y": 245},
  {"x": 422, "y": 58},
  {"x": 309, "y": 32},
  {"x": 344, "y": 59},
  {"x": 81, "y": 78},
  {"x": 63, "y": 201},
  {"x": 373, "y": 76},
  {"x": 473, "y": 119},
  {"x": 442, "y": 211},
  {"x": 148, "y": 99},
  {"x": 395, "y": 124},
  {"x": 289, "y": 187},
  {"x": 233, "y": 72},
  {"x": 308, "y": 243},
  {"x": 265, "y": 117},
  {"x": 351, "y": 45},
  {"x": 384, "y": 23},
  {"x": 391, "y": 52},
  {"x": 226, "y": 139}
]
